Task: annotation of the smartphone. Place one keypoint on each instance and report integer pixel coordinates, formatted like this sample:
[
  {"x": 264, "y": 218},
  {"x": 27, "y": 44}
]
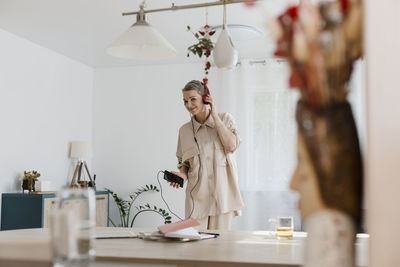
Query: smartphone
[{"x": 173, "y": 178}]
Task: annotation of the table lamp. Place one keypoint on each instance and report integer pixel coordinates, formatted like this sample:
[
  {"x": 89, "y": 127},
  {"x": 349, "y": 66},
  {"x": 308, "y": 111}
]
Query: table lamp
[{"x": 80, "y": 151}]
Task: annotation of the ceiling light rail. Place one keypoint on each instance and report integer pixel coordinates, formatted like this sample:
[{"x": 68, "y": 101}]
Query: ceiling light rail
[
  {"x": 143, "y": 42},
  {"x": 261, "y": 61},
  {"x": 175, "y": 7}
]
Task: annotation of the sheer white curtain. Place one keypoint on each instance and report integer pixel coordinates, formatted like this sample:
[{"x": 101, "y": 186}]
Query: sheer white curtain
[{"x": 257, "y": 95}]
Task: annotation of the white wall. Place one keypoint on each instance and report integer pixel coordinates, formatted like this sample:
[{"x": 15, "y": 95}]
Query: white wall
[
  {"x": 45, "y": 102},
  {"x": 382, "y": 30}
]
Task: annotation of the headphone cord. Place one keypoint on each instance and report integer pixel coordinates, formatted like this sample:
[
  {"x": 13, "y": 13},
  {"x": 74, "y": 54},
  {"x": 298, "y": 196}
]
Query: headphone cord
[
  {"x": 198, "y": 179},
  {"x": 191, "y": 191},
  {"x": 158, "y": 179}
]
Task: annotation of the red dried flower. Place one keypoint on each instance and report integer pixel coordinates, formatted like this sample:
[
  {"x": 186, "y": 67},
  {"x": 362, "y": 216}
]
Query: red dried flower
[
  {"x": 345, "y": 5},
  {"x": 292, "y": 12},
  {"x": 249, "y": 2}
]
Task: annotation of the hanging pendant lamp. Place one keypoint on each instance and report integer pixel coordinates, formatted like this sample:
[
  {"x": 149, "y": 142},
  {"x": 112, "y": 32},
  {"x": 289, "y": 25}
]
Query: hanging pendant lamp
[
  {"x": 224, "y": 53},
  {"x": 141, "y": 41}
]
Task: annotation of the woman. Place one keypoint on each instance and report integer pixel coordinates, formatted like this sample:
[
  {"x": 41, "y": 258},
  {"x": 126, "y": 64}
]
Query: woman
[{"x": 205, "y": 152}]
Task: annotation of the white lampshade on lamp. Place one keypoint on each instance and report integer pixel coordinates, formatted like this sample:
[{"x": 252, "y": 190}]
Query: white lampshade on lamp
[
  {"x": 80, "y": 150},
  {"x": 225, "y": 54},
  {"x": 141, "y": 41}
]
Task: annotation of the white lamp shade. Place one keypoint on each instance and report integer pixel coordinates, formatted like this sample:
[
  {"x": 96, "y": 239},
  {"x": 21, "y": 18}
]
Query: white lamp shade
[
  {"x": 224, "y": 53},
  {"x": 80, "y": 150},
  {"x": 141, "y": 42},
  {"x": 237, "y": 32}
]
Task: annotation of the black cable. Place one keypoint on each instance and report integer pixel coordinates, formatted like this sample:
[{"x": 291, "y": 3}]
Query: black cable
[
  {"x": 198, "y": 179},
  {"x": 158, "y": 179},
  {"x": 198, "y": 174}
]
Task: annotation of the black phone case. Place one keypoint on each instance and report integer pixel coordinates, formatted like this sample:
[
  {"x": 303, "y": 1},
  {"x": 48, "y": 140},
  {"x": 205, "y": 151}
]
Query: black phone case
[{"x": 170, "y": 177}]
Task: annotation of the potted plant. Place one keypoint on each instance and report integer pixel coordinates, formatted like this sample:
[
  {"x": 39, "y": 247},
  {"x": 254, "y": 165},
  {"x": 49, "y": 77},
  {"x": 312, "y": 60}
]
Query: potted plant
[
  {"x": 125, "y": 206},
  {"x": 29, "y": 179}
]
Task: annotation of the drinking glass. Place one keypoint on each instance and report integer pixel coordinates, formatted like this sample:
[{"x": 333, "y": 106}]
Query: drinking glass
[
  {"x": 72, "y": 227},
  {"x": 283, "y": 226}
]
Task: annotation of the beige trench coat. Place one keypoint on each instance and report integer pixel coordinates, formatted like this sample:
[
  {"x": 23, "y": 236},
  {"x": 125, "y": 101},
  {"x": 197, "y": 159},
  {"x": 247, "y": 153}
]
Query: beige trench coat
[{"x": 212, "y": 172}]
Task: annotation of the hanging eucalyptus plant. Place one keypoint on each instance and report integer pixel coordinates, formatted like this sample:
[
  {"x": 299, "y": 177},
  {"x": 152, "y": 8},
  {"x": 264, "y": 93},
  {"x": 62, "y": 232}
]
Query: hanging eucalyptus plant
[{"x": 203, "y": 47}]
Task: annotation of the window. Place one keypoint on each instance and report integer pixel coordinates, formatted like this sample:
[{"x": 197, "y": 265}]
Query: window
[{"x": 258, "y": 97}]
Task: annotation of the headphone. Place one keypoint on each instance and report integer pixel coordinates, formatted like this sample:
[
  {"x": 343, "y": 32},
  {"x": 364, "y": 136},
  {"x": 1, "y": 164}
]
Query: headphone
[{"x": 206, "y": 92}]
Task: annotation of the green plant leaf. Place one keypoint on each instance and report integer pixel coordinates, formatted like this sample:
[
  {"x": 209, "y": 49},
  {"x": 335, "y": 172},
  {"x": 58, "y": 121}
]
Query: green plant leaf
[
  {"x": 111, "y": 221},
  {"x": 199, "y": 51}
]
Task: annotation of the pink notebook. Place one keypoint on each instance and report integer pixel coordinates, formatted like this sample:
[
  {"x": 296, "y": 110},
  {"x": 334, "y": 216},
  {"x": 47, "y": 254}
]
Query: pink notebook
[{"x": 172, "y": 227}]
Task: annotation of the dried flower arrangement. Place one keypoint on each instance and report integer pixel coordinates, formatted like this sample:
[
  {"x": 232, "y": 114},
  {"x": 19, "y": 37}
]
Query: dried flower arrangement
[{"x": 320, "y": 43}]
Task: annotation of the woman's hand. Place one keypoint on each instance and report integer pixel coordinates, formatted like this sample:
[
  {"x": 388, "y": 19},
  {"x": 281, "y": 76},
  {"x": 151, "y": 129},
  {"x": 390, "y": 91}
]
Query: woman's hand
[
  {"x": 180, "y": 174},
  {"x": 214, "y": 111}
]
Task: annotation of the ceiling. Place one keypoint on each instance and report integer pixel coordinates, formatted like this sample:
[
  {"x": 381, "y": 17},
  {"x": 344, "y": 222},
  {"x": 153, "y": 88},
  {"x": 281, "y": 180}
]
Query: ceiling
[{"x": 82, "y": 29}]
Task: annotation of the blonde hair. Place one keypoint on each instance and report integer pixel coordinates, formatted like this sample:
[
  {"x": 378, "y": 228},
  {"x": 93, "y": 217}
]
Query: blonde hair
[{"x": 194, "y": 85}]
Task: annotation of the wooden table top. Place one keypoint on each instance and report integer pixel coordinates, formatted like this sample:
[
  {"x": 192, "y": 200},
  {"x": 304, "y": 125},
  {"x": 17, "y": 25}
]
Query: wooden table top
[{"x": 233, "y": 248}]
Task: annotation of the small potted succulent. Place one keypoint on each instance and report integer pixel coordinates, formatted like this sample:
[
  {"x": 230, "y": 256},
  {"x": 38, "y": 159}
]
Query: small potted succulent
[{"x": 29, "y": 179}]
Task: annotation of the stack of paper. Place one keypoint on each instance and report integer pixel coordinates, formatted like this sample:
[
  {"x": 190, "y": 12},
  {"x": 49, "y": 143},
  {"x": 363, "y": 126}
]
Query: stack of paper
[
  {"x": 183, "y": 230},
  {"x": 172, "y": 227},
  {"x": 189, "y": 232}
]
